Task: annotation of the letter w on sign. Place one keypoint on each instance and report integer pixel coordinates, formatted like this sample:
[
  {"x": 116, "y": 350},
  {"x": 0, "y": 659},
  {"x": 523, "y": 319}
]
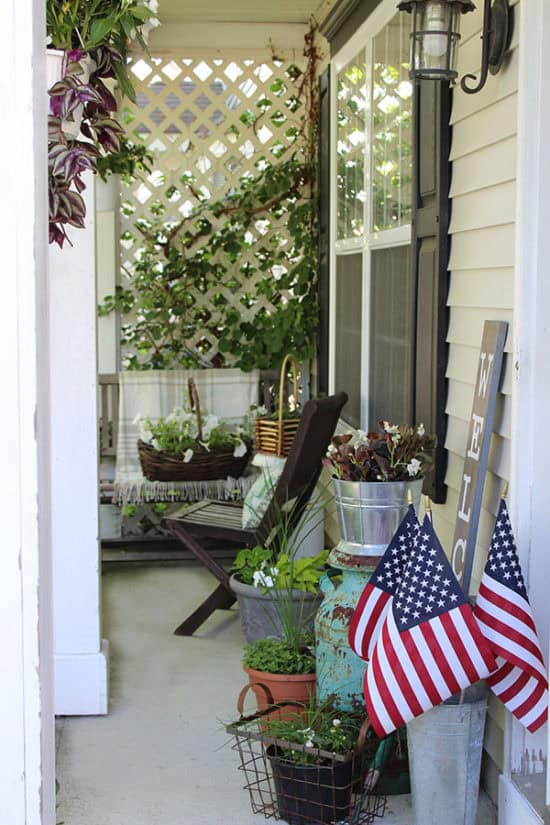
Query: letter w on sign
[{"x": 430, "y": 646}]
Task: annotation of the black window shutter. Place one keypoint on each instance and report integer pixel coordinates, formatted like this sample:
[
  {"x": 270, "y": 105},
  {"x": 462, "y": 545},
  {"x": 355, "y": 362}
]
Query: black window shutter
[
  {"x": 324, "y": 231},
  {"x": 430, "y": 244}
]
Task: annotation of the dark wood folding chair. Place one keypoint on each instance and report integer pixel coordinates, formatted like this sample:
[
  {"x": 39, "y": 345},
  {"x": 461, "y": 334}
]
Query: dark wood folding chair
[{"x": 217, "y": 520}]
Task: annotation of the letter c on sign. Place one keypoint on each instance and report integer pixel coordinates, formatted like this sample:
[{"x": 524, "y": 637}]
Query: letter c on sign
[{"x": 459, "y": 552}]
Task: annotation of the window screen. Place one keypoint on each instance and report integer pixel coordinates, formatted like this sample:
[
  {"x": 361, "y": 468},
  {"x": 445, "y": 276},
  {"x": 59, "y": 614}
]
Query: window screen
[
  {"x": 391, "y": 336},
  {"x": 348, "y": 320}
]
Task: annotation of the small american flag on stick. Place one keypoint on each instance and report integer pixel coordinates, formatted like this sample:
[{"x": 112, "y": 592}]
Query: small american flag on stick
[
  {"x": 505, "y": 618},
  {"x": 375, "y": 600},
  {"x": 430, "y": 645}
]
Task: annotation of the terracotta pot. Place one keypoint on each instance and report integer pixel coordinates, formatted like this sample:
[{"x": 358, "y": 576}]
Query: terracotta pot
[{"x": 282, "y": 687}]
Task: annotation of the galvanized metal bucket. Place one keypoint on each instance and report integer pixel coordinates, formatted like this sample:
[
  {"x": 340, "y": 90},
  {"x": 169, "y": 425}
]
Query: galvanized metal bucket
[
  {"x": 369, "y": 513},
  {"x": 445, "y": 747}
]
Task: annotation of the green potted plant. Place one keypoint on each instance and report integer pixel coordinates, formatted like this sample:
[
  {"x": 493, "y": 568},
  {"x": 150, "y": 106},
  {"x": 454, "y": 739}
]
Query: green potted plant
[
  {"x": 283, "y": 661},
  {"x": 274, "y": 589},
  {"x": 280, "y": 671}
]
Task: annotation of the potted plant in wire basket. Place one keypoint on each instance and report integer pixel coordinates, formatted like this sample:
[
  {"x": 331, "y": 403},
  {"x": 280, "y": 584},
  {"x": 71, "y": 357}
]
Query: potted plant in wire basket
[
  {"x": 188, "y": 445},
  {"x": 312, "y": 765}
]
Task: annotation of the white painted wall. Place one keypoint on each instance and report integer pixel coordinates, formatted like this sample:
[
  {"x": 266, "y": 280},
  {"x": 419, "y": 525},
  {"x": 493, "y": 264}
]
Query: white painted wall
[
  {"x": 27, "y": 794},
  {"x": 530, "y": 454},
  {"x": 80, "y": 656}
]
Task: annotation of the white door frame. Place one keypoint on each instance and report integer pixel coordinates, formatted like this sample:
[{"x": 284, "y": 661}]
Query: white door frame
[
  {"x": 530, "y": 457},
  {"x": 27, "y": 785}
]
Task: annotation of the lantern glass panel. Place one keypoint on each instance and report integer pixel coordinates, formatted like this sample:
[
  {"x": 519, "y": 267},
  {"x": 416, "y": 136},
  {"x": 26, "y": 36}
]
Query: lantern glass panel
[{"x": 436, "y": 38}]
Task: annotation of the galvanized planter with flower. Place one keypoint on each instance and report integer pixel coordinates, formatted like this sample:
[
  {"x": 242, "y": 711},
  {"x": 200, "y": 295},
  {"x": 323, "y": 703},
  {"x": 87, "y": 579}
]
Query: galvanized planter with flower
[
  {"x": 187, "y": 446},
  {"x": 373, "y": 475}
]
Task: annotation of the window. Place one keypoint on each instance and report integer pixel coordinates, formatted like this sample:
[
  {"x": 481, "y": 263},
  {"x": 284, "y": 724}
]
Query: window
[{"x": 372, "y": 298}]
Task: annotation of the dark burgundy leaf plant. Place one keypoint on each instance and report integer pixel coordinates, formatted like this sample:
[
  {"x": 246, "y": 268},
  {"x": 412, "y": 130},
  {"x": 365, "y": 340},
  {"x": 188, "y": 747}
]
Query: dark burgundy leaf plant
[{"x": 398, "y": 452}]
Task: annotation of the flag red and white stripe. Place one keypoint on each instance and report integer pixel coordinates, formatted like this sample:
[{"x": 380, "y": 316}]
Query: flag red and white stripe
[
  {"x": 374, "y": 603},
  {"x": 430, "y": 646},
  {"x": 504, "y": 615}
]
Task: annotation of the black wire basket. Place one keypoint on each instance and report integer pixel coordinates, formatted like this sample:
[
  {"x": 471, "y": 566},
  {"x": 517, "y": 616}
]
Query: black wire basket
[{"x": 330, "y": 789}]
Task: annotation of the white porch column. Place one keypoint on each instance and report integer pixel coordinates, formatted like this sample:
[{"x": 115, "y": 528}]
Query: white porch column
[
  {"x": 27, "y": 788},
  {"x": 80, "y": 655}
]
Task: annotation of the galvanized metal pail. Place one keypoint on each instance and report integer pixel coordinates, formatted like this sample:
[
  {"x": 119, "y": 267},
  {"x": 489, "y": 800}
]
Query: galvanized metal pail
[
  {"x": 369, "y": 513},
  {"x": 445, "y": 747}
]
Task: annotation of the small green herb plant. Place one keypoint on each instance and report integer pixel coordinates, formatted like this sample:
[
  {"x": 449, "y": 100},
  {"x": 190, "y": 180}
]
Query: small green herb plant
[
  {"x": 278, "y": 656},
  {"x": 312, "y": 729}
]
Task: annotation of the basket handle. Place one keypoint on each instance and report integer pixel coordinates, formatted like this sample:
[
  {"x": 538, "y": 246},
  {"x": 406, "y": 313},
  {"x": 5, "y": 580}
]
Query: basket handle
[
  {"x": 294, "y": 366},
  {"x": 246, "y": 688},
  {"x": 362, "y": 738},
  {"x": 195, "y": 405}
]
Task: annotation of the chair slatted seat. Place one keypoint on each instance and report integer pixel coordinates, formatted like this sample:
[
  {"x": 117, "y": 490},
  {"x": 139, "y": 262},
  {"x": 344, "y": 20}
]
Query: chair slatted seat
[{"x": 223, "y": 520}]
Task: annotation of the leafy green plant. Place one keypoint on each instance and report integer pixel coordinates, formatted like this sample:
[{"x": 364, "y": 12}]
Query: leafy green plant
[
  {"x": 192, "y": 258},
  {"x": 128, "y": 162},
  {"x": 278, "y": 656},
  {"x": 262, "y": 568},
  {"x": 167, "y": 324},
  {"x": 313, "y": 728}
]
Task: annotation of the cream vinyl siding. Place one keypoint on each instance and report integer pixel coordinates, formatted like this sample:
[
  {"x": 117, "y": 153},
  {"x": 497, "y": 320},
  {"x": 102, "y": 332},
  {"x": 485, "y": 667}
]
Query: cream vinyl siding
[{"x": 483, "y": 193}]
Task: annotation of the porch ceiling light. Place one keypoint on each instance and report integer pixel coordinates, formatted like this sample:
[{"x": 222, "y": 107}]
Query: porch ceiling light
[{"x": 436, "y": 32}]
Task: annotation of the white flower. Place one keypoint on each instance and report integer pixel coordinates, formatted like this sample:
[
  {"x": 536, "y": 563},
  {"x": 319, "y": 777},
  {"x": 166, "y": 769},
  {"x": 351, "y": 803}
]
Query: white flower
[
  {"x": 332, "y": 449},
  {"x": 396, "y": 438},
  {"x": 240, "y": 449},
  {"x": 309, "y": 743},
  {"x": 260, "y": 579},
  {"x": 261, "y": 410},
  {"x": 145, "y": 433},
  {"x": 392, "y": 429},
  {"x": 336, "y": 723},
  {"x": 211, "y": 422},
  {"x": 187, "y": 456},
  {"x": 420, "y": 430},
  {"x": 413, "y": 467}
]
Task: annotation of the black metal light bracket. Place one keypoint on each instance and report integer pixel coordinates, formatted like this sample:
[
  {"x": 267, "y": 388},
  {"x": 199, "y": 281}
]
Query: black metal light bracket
[{"x": 496, "y": 39}]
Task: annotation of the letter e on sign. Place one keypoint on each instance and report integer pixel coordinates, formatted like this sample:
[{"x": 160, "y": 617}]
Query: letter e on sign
[{"x": 477, "y": 449}]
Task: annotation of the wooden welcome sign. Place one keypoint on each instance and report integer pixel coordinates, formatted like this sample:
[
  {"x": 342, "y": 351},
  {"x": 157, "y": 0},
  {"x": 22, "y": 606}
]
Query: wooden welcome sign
[{"x": 477, "y": 450}]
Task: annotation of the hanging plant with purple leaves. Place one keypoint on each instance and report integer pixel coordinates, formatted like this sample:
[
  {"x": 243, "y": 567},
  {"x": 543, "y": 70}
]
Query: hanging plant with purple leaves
[{"x": 95, "y": 35}]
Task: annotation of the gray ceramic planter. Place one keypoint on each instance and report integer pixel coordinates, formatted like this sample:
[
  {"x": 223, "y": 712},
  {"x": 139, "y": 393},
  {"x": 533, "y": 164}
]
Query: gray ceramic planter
[{"x": 258, "y": 615}]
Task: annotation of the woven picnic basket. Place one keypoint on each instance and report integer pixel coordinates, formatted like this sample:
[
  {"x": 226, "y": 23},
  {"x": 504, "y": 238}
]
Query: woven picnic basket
[
  {"x": 206, "y": 465},
  {"x": 275, "y": 436}
]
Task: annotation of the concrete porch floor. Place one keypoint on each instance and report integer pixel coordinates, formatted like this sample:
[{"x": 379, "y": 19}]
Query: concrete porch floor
[{"x": 161, "y": 756}]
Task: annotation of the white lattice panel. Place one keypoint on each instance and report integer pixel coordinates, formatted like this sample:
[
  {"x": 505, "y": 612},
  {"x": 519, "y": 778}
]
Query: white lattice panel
[{"x": 212, "y": 122}]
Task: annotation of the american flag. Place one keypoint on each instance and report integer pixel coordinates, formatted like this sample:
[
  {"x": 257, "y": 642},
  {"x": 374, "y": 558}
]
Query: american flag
[
  {"x": 505, "y": 618},
  {"x": 375, "y": 600},
  {"x": 430, "y": 646}
]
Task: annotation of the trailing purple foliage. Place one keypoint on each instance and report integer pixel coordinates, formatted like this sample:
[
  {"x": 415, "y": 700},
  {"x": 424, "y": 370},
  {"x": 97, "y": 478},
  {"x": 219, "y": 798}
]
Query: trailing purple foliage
[{"x": 70, "y": 157}]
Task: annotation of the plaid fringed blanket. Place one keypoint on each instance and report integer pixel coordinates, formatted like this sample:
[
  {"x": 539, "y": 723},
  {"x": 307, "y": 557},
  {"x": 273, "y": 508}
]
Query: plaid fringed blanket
[{"x": 227, "y": 393}]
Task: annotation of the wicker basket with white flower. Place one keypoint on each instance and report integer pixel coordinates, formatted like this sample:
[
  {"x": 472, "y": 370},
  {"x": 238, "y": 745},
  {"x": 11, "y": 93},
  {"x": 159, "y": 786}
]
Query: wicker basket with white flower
[{"x": 188, "y": 445}]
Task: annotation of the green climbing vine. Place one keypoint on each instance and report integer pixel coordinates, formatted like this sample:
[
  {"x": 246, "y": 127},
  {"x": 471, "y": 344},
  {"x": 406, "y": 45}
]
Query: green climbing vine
[{"x": 275, "y": 308}]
